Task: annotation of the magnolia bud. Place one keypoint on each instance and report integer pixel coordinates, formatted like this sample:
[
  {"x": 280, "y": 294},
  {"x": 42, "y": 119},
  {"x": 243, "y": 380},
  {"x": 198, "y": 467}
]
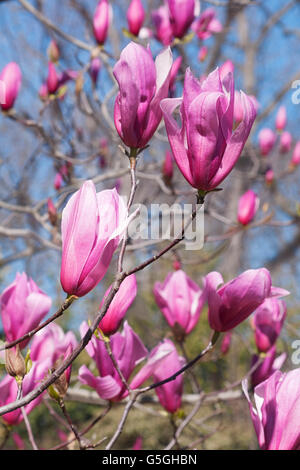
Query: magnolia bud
[
  {"x": 53, "y": 52},
  {"x": 14, "y": 363}
]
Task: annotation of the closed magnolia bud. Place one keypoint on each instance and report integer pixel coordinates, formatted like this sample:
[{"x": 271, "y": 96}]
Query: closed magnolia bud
[
  {"x": 296, "y": 154},
  {"x": 14, "y": 363},
  {"x": 248, "y": 205},
  {"x": 135, "y": 16},
  {"x": 52, "y": 79},
  {"x": 281, "y": 118},
  {"x": 53, "y": 51},
  {"x": 285, "y": 142},
  {"x": 101, "y": 21},
  {"x": 10, "y": 78},
  {"x": 267, "y": 139}
]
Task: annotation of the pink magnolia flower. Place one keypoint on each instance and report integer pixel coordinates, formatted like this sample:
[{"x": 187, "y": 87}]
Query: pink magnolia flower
[
  {"x": 285, "y": 142},
  {"x": 119, "y": 305},
  {"x": 247, "y": 208},
  {"x": 207, "y": 24},
  {"x": 281, "y": 118},
  {"x": 94, "y": 69},
  {"x": 181, "y": 13},
  {"x": 232, "y": 303},
  {"x": 11, "y": 78},
  {"x": 268, "y": 321},
  {"x": 23, "y": 305},
  {"x": 296, "y": 154},
  {"x": 167, "y": 169},
  {"x": 142, "y": 84},
  {"x": 162, "y": 25},
  {"x": 9, "y": 390},
  {"x": 270, "y": 364},
  {"x": 206, "y": 148},
  {"x": 87, "y": 248},
  {"x": 162, "y": 363},
  {"x": 51, "y": 343},
  {"x": 266, "y": 140},
  {"x": 135, "y": 16},
  {"x": 128, "y": 351},
  {"x": 181, "y": 301},
  {"x": 101, "y": 21},
  {"x": 58, "y": 180},
  {"x": 276, "y": 413},
  {"x": 52, "y": 79}
]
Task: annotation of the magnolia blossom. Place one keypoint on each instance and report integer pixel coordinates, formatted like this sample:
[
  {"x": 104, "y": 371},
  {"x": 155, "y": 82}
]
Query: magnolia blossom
[
  {"x": 281, "y": 118},
  {"x": 128, "y": 351},
  {"x": 205, "y": 147},
  {"x": 9, "y": 390},
  {"x": 266, "y": 139},
  {"x": 276, "y": 412},
  {"x": 268, "y": 321},
  {"x": 135, "y": 16},
  {"x": 95, "y": 68},
  {"x": 162, "y": 363},
  {"x": 143, "y": 83},
  {"x": 162, "y": 25},
  {"x": 296, "y": 154},
  {"x": 51, "y": 343},
  {"x": 232, "y": 303},
  {"x": 23, "y": 305},
  {"x": 269, "y": 365},
  {"x": 118, "y": 306},
  {"x": 101, "y": 21},
  {"x": 207, "y": 24},
  {"x": 182, "y": 13},
  {"x": 248, "y": 206},
  {"x": 181, "y": 301},
  {"x": 10, "y": 82},
  {"x": 87, "y": 248},
  {"x": 285, "y": 142},
  {"x": 52, "y": 79}
]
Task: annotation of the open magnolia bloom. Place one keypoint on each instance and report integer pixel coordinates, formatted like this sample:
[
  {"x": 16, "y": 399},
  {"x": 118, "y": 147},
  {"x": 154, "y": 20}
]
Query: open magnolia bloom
[
  {"x": 276, "y": 413},
  {"x": 181, "y": 300},
  {"x": 231, "y": 303},
  {"x": 206, "y": 147},
  {"x": 143, "y": 83},
  {"x": 23, "y": 305}
]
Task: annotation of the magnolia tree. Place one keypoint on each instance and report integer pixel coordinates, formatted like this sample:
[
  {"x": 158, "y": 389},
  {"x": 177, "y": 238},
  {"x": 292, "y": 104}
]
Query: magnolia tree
[{"x": 148, "y": 194}]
